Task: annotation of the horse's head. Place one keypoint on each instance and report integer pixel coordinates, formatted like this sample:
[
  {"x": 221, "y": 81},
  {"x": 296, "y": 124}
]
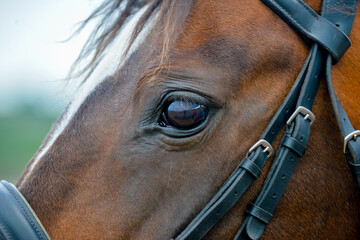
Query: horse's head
[{"x": 124, "y": 160}]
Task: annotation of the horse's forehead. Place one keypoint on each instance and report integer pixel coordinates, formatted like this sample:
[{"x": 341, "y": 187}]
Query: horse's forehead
[
  {"x": 219, "y": 43},
  {"x": 211, "y": 19}
]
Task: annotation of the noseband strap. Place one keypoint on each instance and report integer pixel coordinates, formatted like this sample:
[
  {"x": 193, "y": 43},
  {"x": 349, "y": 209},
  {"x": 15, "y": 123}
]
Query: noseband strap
[{"x": 17, "y": 219}]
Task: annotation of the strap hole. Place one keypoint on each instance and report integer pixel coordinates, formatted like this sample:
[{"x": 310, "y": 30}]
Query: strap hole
[
  {"x": 283, "y": 176},
  {"x": 301, "y": 139},
  {"x": 274, "y": 195},
  {"x": 235, "y": 193},
  {"x": 273, "y": 132},
  {"x": 291, "y": 159},
  {"x": 338, "y": 25},
  {"x": 217, "y": 213}
]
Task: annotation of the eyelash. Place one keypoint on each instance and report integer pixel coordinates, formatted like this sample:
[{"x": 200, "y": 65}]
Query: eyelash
[{"x": 183, "y": 98}]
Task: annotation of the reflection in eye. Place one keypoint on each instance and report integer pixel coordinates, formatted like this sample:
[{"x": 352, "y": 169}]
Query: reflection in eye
[{"x": 184, "y": 115}]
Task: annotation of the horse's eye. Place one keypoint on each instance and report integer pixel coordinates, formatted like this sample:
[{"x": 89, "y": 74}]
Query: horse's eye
[{"x": 184, "y": 115}]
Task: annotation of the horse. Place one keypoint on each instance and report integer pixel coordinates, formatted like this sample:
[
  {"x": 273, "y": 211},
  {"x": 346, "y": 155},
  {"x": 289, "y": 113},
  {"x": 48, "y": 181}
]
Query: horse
[{"x": 121, "y": 163}]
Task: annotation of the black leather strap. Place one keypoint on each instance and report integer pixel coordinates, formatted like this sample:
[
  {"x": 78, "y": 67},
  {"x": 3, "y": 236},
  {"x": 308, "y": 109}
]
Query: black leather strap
[
  {"x": 17, "y": 220},
  {"x": 292, "y": 148},
  {"x": 355, "y": 168},
  {"x": 226, "y": 197},
  {"x": 288, "y": 106},
  {"x": 293, "y": 144},
  {"x": 342, "y": 13},
  {"x": 251, "y": 167},
  {"x": 247, "y": 170},
  {"x": 352, "y": 148},
  {"x": 312, "y": 26},
  {"x": 259, "y": 213}
]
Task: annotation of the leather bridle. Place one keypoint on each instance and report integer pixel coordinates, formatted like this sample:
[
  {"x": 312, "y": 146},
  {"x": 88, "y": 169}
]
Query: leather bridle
[
  {"x": 17, "y": 219},
  {"x": 328, "y": 36}
]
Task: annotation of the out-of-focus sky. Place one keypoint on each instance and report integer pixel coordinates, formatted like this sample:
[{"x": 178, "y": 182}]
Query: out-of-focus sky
[{"x": 33, "y": 60}]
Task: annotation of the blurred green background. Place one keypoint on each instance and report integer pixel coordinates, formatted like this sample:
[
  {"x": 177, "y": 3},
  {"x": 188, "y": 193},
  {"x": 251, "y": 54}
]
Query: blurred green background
[
  {"x": 21, "y": 135},
  {"x": 34, "y": 61}
]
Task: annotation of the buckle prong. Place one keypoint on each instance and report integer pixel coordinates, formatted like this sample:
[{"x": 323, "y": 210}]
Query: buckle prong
[
  {"x": 308, "y": 115},
  {"x": 265, "y": 144},
  {"x": 266, "y": 149}
]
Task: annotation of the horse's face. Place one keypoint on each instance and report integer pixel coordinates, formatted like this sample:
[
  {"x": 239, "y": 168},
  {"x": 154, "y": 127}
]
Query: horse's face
[{"x": 128, "y": 164}]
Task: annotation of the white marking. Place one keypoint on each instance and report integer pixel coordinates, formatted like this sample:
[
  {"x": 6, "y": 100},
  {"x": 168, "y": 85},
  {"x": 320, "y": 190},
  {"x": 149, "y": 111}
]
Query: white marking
[{"x": 107, "y": 67}]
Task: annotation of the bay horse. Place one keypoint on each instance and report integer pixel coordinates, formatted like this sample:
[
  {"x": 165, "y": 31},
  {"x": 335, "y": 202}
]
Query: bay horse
[{"x": 121, "y": 164}]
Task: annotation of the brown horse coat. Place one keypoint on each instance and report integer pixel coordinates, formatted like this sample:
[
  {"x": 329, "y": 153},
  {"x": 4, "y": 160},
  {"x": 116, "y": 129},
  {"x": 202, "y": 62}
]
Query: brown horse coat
[{"x": 112, "y": 174}]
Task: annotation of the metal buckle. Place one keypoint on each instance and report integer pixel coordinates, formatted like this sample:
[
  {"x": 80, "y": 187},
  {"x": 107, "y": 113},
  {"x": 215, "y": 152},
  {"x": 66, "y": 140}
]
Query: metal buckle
[
  {"x": 265, "y": 144},
  {"x": 308, "y": 115},
  {"x": 349, "y": 137}
]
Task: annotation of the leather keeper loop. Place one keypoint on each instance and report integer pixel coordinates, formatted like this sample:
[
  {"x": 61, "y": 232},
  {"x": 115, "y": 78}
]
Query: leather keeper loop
[
  {"x": 354, "y": 167},
  {"x": 251, "y": 167},
  {"x": 259, "y": 213},
  {"x": 294, "y": 145}
]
